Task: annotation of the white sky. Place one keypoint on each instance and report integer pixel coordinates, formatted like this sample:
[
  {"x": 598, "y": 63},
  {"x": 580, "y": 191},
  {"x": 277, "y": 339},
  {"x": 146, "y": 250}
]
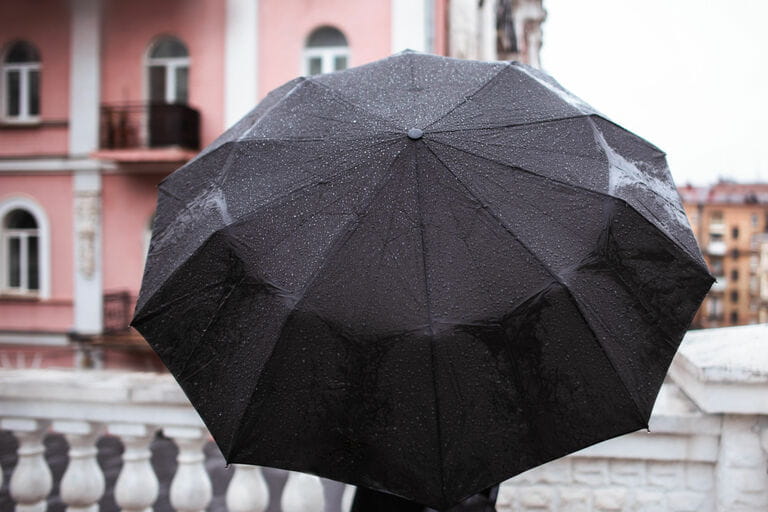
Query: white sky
[{"x": 691, "y": 76}]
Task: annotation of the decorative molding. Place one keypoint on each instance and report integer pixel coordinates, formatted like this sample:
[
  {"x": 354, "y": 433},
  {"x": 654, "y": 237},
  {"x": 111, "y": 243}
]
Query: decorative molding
[
  {"x": 55, "y": 164},
  {"x": 87, "y": 217},
  {"x": 88, "y": 293}
]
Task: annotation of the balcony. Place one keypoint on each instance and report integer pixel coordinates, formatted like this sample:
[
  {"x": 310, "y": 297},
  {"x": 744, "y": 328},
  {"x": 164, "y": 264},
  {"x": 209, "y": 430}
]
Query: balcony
[
  {"x": 716, "y": 248},
  {"x": 148, "y": 132},
  {"x": 118, "y": 311}
]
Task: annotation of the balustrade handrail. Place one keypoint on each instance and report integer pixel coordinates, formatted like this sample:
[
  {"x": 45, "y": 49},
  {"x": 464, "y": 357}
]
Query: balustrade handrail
[
  {"x": 87, "y": 404},
  {"x": 131, "y": 125}
]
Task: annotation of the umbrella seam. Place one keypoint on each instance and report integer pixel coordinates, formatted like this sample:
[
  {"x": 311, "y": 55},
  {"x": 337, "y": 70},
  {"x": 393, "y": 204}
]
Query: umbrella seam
[
  {"x": 280, "y": 101},
  {"x": 253, "y": 122},
  {"x": 269, "y": 201},
  {"x": 512, "y": 125},
  {"x": 341, "y": 243},
  {"x": 222, "y": 300},
  {"x": 304, "y": 185},
  {"x": 552, "y": 273},
  {"x": 431, "y": 323},
  {"x": 573, "y": 185},
  {"x": 347, "y": 101},
  {"x": 471, "y": 95}
]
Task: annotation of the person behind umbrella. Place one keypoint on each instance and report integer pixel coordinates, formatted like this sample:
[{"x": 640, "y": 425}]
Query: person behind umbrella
[{"x": 367, "y": 500}]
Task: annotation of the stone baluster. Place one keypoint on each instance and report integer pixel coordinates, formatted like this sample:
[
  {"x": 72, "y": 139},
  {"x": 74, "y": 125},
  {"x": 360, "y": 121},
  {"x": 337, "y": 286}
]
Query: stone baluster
[
  {"x": 31, "y": 481},
  {"x": 247, "y": 491},
  {"x": 348, "y": 497},
  {"x": 334, "y": 492},
  {"x": 83, "y": 482},
  {"x": 137, "y": 487},
  {"x": 303, "y": 493},
  {"x": 191, "y": 489}
]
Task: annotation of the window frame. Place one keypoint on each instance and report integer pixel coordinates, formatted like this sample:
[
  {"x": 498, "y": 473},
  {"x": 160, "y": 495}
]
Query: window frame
[
  {"x": 327, "y": 54},
  {"x": 43, "y": 249},
  {"x": 170, "y": 65},
  {"x": 25, "y": 69}
]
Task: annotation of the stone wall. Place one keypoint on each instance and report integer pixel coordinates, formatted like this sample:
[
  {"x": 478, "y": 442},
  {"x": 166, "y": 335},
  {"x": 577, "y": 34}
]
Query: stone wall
[{"x": 577, "y": 484}]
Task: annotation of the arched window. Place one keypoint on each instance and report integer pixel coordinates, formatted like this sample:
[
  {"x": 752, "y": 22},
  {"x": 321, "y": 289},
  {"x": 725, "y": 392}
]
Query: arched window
[
  {"x": 21, "y": 249},
  {"x": 326, "y": 51},
  {"x": 24, "y": 246},
  {"x": 21, "y": 83},
  {"x": 168, "y": 71}
]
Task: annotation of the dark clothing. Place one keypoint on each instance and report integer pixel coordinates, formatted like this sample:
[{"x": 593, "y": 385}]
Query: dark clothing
[{"x": 367, "y": 500}]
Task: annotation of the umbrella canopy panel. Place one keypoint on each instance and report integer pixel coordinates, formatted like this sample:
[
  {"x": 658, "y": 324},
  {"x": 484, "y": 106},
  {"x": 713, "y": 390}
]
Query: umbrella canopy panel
[{"x": 422, "y": 275}]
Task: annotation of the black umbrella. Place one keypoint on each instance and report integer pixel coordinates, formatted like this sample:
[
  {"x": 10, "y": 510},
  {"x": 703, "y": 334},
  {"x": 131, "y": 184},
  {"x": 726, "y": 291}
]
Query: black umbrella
[{"x": 423, "y": 275}]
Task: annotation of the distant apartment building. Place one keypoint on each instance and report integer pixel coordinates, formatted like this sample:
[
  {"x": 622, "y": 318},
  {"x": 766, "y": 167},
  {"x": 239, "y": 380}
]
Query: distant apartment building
[
  {"x": 101, "y": 99},
  {"x": 730, "y": 222}
]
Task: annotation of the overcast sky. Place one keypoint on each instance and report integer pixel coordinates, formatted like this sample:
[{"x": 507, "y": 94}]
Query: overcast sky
[{"x": 691, "y": 76}]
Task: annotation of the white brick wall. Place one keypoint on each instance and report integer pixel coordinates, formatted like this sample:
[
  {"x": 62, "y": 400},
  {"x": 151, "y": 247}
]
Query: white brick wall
[{"x": 600, "y": 484}]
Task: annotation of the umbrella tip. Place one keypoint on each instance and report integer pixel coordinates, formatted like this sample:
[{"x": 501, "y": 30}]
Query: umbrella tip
[{"x": 415, "y": 133}]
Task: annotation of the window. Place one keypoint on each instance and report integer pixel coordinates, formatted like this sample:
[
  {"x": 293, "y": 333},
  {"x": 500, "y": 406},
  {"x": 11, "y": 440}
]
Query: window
[
  {"x": 754, "y": 220},
  {"x": 735, "y": 254},
  {"x": 735, "y": 232},
  {"x": 168, "y": 71},
  {"x": 734, "y": 275},
  {"x": 714, "y": 308},
  {"x": 716, "y": 266},
  {"x": 326, "y": 51},
  {"x": 24, "y": 248},
  {"x": 21, "y": 83},
  {"x": 735, "y": 296},
  {"x": 734, "y": 317}
]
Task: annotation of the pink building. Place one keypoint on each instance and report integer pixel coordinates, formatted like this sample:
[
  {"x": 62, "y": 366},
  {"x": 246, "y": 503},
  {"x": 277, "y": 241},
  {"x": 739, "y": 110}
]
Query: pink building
[{"x": 101, "y": 99}]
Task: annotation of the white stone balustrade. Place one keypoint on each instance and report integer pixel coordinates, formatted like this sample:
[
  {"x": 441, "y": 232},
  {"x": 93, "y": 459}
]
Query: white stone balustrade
[
  {"x": 707, "y": 450},
  {"x": 134, "y": 407}
]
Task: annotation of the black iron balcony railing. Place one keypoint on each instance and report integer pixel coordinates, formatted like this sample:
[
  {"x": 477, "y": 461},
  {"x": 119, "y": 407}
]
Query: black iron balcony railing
[
  {"x": 149, "y": 125},
  {"x": 118, "y": 308}
]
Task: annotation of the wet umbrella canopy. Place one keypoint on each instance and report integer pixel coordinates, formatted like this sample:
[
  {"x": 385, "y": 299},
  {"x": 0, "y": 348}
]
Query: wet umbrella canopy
[{"x": 423, "y": 275}]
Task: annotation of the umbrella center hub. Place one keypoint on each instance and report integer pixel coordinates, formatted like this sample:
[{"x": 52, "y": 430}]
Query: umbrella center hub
[{"x": 415, "y": 133}]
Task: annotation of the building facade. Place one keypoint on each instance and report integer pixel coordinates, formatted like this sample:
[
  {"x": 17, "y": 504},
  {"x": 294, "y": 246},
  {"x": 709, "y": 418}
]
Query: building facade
[
  {"x": 729, "y": 221},
  {"x": 101, "y": 99}
]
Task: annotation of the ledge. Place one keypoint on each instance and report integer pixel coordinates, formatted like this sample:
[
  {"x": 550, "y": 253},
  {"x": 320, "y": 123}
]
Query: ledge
[
  {"x": 140, "y": 155},
  {"x": 725, "y": 371},
  {"x": 678, "y": 431}
]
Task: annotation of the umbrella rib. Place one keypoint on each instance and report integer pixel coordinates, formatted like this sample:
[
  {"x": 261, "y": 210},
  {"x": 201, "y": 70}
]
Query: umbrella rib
[
  {"x": 572, "y": 185},
  {"x": 552, "y": 274},
  {"x": 513, "y": 125},
  {"x": 312, "y": 180},
  {"x": 299, "y": 186},
  {"x": 346, "y": 101},
  {"x": 470, "y": 96},
  {"x": 303, "y": 185},
  {"x": 340, "y": 242},
  {"x": 222, "y": 300},
  {"x": 433, "y": 362}
]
